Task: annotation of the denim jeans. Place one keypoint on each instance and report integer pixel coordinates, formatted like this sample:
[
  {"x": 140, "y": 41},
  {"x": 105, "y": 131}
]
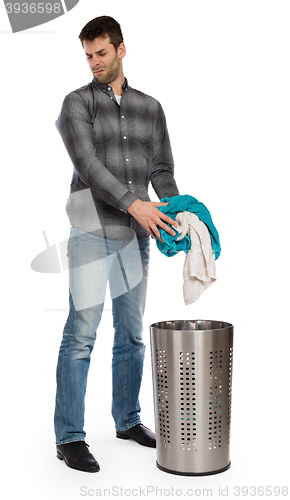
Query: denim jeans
[{"x": 94, "y": 261}]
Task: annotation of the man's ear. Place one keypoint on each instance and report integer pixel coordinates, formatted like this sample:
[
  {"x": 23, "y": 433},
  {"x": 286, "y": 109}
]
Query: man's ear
[{"x": 121, "y": 50}]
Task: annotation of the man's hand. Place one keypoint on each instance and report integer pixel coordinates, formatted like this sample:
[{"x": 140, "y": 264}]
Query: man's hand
[{"x": 148, "y": 215}]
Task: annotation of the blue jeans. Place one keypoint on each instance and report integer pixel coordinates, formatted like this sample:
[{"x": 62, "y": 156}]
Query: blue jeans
[{"x": 93, "y": 261}]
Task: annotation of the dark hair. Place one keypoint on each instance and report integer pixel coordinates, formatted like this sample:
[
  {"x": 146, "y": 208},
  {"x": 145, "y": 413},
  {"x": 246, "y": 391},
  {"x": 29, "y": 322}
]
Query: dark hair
[{"x": 101, "y": 27}]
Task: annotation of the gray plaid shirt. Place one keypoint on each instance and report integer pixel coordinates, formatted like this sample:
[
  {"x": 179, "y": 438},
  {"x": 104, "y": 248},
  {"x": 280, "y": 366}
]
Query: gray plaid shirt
[{"x": 116, "y": 152}]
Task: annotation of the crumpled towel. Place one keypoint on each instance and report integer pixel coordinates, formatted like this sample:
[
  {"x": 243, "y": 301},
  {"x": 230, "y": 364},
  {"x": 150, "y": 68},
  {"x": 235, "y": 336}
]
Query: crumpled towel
[
  {"x": 180, "y": 203},
  {"x": 199, "y": 271}
]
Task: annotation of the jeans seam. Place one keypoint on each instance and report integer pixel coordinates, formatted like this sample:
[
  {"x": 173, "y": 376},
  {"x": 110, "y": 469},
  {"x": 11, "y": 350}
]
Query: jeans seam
[
  {"x": 125, "y": 356},
  {"x": 126, "y": 353},
  {"x": 71, "y": 334}
]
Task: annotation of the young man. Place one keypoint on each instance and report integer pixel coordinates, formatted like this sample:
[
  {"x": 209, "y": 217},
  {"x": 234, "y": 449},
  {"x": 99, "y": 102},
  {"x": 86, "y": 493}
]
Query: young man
[{"x": 118, "y": 142}]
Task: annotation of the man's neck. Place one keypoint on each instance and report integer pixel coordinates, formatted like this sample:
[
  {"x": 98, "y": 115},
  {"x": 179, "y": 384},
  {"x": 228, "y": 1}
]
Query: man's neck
[{"x": 117, "y": 85}]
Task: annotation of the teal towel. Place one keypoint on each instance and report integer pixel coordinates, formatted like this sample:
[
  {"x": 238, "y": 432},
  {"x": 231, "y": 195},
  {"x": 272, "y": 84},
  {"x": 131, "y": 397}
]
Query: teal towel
[{"x": 176, "y": 204}]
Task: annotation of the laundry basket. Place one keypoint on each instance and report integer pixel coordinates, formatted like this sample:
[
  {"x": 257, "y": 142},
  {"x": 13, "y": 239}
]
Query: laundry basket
[{"x": 192, "y": 381}]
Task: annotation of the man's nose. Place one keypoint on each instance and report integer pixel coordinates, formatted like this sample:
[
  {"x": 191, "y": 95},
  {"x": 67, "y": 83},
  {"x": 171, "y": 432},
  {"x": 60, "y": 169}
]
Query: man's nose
[{"x": 95, "y": 62}]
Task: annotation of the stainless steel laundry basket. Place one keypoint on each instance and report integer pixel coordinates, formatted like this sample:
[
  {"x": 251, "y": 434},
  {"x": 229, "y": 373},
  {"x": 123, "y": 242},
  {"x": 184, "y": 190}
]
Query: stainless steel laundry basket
[{"x": 192, "y": 380}]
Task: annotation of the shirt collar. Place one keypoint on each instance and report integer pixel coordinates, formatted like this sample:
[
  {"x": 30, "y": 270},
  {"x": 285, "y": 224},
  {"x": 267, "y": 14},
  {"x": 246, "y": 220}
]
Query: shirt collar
[{"x": 105, "y": 87}]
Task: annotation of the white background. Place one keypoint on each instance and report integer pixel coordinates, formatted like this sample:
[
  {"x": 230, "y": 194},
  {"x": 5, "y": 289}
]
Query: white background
[{"x": 221, "y": 71}]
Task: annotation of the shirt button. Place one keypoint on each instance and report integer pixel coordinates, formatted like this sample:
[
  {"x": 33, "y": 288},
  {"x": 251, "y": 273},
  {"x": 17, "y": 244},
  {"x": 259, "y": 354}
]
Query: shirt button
[
  {"x": 123, "y": 116},
  {"x": 124, "y": 137},
  {"x": 109, "y": 88},
  {"x": 127, "y": 159},
  {"x": 130, "y": 182}
]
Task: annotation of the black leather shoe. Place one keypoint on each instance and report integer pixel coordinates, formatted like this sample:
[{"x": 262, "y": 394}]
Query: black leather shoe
[
  {"x": 139, "y": 433},
  {"x": 77, "y": 456}
]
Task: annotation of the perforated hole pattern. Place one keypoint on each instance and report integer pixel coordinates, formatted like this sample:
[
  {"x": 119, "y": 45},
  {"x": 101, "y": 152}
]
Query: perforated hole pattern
[
  {"x": 188, "y": 408},
  {"x": 215, "y": 399},
  {"x": 163, "y": 405},
  {"x": 187, "y": 400}
]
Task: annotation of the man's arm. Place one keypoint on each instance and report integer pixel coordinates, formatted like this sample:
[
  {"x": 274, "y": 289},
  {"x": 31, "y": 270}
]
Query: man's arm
[{"x": 75, "y": 127}]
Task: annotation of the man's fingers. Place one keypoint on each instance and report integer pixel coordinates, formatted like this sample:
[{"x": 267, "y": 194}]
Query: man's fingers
[
  {"x": 158, "y": 235},
  {"x": 167, "y": 228},
  {"x": 164, "y": 226},
  {"x": 161, "y": 225},
  {"x": 165, "y": 217},
  {"x": 154, "y": 232},
  {"x": 169, "y": 220}
]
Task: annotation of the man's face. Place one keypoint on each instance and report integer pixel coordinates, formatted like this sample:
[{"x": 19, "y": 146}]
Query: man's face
[{"x": 104, "y": 62}]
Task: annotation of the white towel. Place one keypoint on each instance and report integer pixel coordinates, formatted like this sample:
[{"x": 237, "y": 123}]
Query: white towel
[{"x": 199, "y": 271}]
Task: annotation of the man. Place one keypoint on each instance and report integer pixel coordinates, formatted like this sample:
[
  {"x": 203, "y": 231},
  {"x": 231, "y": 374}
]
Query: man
[{"x": 118, "y": 142}]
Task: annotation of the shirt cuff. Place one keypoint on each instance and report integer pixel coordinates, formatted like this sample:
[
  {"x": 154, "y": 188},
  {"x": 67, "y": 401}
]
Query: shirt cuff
[{"x": 126, "y": 201}]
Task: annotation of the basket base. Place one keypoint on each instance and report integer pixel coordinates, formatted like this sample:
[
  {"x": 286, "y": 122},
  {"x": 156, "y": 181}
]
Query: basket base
[{"x": 179, "y": 473}]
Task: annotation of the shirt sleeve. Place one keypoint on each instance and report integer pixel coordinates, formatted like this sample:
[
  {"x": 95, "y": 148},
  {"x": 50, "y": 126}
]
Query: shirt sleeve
[
  {"x": 162, "y": 175},
  {"x": 75, "y": 127}
]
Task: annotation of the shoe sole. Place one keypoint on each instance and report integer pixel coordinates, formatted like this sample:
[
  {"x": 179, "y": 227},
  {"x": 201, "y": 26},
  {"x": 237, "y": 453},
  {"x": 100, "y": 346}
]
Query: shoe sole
[
  {"x": 122, "y": 436},
  {"x": 60, "y": 457}
]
